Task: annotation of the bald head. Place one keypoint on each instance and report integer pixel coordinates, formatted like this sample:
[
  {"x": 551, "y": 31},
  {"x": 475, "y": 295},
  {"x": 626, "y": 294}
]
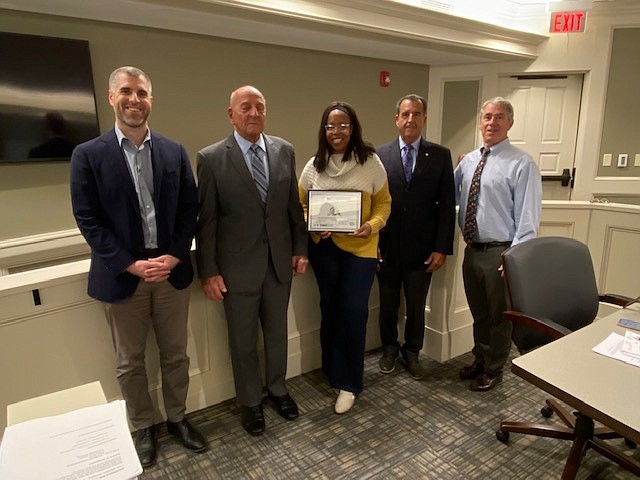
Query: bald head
[
  {"x": 245, "y": 90},
  {"x": 247, "y": 112}
]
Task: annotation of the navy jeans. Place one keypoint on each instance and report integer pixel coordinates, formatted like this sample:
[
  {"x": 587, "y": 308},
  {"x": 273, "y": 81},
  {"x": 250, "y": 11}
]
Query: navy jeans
[{"x": 344, "y": 281}]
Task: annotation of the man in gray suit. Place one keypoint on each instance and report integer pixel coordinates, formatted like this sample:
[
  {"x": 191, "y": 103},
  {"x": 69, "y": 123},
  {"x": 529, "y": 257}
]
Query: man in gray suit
[{"x": 251, "y": 239}]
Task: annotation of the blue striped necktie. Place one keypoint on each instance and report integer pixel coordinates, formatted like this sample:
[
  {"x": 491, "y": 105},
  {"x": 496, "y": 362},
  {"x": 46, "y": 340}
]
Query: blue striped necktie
[{"x": 259, "y": 174}]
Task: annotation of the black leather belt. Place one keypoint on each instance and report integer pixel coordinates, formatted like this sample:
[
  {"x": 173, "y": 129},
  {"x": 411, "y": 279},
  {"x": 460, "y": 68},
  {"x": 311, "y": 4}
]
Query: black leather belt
[
  {"x": 484, "y": 246},
  {"x": 152, "y": 252}
]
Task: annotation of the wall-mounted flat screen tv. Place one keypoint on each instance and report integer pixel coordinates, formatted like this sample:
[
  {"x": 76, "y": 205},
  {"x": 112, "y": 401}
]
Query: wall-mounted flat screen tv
[{"x": 47, "y": 99}]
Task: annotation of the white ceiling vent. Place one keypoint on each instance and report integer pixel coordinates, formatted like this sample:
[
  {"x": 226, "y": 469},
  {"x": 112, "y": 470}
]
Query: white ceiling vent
[{"x": 437, "y": 6}]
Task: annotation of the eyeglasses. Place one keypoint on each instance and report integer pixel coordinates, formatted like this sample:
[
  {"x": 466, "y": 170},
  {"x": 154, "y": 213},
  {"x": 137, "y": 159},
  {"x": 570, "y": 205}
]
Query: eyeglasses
[{"x": 342, "y": 127}]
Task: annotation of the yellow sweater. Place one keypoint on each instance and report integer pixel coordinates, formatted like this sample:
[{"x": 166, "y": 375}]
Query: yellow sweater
[{"x": 370, "y": 179}]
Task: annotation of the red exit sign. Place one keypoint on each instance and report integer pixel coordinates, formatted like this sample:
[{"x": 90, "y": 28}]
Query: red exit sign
[{"x": 568, "y": 22}]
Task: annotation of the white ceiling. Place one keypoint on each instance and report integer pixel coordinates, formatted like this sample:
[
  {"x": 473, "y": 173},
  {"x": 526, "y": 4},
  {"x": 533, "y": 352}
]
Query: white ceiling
[{"x": 386, "y": 29}]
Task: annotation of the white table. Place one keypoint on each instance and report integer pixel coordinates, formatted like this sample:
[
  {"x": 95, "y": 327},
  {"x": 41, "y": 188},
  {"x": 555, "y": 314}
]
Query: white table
[
  {"x": 56, "y": 403},
  {"x": 600, "y": 388}
]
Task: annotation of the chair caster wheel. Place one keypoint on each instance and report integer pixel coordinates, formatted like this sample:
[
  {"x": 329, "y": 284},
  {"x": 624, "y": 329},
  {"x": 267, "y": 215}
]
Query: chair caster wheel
[
  {"x": 546, "y": 412},
  {"x": 502, "y": 436}
]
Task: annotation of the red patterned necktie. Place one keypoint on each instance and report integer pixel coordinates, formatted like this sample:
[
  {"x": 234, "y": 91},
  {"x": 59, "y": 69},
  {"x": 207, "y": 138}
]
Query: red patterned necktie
[{"x": 470, "y": 225}]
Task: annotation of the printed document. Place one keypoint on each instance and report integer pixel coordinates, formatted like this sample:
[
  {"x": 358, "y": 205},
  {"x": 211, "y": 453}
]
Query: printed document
[
  {"x": 89, "y": 443},
  {"x": 612, "y": 347}
]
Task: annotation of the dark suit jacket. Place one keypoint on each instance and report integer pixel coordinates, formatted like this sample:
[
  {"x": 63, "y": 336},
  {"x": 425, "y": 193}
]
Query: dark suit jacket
[
  {"x": 236, "y": 231},
  {"x": 422, "y": 216},
  {"x": 105, "y": 206}
]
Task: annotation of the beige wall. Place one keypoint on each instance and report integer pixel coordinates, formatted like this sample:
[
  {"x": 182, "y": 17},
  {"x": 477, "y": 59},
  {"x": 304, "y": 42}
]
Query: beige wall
[
  {"x": 192, "y": 78},
  {"x": 585, "y": 53},
  {"x": 621, "y": 128}
]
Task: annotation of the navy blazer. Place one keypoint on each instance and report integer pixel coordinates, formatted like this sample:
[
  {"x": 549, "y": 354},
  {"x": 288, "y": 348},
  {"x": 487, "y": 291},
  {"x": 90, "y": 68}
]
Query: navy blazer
[
  {"x": 105, "y": 206},
  {"x": 422, "y": 216}
]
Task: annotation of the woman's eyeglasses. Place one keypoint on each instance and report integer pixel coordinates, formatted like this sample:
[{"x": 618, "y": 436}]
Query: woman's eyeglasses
[{"x": 342, "y": 127}]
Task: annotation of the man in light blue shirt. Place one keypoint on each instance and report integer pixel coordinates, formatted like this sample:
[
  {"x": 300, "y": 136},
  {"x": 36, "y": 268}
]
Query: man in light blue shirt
[{"x": 502, "y": 209}]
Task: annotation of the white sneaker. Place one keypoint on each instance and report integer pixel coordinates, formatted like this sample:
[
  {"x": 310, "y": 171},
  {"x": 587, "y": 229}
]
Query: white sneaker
[{"x": 344, "y": 402}]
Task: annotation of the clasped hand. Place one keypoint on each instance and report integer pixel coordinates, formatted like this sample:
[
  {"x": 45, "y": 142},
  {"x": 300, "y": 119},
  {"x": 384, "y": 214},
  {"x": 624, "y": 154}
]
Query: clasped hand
[{"x": 154, "y": 269}]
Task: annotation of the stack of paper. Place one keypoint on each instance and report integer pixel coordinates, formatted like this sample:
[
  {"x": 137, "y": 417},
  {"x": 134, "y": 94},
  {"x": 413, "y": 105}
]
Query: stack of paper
[
  {"x": 90, "y": 443},
  {"x": 621, "y": 347}
]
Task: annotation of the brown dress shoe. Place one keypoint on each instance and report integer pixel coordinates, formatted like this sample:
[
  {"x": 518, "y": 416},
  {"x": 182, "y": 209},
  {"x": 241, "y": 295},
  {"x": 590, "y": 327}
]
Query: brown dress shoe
[
  {"x": 471, "y": 371},
  {"x": 387, "y": 362},
  {"x": 485, "y": 382},
  {"x": 414, "y": 368}
]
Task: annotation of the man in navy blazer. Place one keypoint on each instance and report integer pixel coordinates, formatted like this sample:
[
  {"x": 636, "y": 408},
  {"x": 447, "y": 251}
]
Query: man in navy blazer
[
  {"x": 418, "y": 235},
  {"x": 134, "y": 199}
]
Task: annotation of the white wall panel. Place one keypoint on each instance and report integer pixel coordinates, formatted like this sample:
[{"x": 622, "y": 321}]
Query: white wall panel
[{"x": 66, "y": 342}]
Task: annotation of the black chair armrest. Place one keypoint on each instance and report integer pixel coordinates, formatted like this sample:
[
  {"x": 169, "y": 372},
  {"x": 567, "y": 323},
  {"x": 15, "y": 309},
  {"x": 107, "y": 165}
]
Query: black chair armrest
[
  {"x": 544, "y": 325},
  {"x": 619, "y": 300}
]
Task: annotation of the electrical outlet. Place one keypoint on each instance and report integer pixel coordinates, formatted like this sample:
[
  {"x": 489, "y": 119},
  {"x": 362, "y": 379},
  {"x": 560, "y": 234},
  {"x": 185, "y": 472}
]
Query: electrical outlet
[
  {"x": 636, "y": 162},
  {"x": 606, "y": 160},
  {"x": 622, "y": 160}
]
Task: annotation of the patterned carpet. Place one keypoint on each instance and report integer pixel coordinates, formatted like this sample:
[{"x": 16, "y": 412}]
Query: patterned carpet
[{"x": 433, "y": 429}]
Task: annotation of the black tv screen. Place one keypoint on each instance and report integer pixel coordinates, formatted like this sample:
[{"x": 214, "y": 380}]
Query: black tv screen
[{"x": 47, "y": 99}]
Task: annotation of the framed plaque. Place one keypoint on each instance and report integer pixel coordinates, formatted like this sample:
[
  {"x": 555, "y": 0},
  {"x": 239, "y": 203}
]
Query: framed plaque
[{"x": 334, "y": 211}]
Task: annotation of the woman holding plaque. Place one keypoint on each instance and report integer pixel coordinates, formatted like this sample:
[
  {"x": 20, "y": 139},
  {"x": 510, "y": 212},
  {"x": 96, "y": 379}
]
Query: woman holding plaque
[{"x": 344, "y": 191}]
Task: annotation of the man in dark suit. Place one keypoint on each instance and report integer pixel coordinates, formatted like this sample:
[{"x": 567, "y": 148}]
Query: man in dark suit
[
  {"x": 418, "y": 235},
  {"x": 134, "y": 199},
  {"x": 251, "y": 238}
]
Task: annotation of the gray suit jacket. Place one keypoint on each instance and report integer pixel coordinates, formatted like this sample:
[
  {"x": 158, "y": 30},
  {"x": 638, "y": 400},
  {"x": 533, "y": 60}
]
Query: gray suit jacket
[{"x": 236, "y": 231}]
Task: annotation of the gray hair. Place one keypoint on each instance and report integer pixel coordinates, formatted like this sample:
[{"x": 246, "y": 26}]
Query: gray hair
[
  {"x": 412, "y": 97},
  {"x": 127, "y": 70},
  {"x": 502, "y": 102}
]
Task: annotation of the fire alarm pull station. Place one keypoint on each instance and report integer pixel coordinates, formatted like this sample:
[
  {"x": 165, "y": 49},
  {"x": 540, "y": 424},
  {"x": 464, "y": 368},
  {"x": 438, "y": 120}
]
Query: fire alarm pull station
[{"x": 385, "y": 79}]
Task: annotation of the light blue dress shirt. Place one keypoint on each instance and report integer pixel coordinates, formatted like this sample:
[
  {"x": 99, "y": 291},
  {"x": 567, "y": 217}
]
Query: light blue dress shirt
[
  {"x": 510, "y": 200},
  {"x": 136, "y": 157},
  {"x": 245, "y": 147}
]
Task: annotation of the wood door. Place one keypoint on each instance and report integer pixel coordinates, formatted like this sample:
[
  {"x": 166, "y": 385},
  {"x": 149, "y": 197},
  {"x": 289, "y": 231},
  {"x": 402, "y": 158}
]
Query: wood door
[{"x": 546, "y": 125}]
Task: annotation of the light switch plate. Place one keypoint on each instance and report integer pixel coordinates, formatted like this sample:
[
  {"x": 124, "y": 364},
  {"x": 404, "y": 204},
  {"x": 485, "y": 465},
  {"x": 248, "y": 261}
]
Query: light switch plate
[
  {"x": 606, "y": 160},
  {"x": 622, "y": 160}
]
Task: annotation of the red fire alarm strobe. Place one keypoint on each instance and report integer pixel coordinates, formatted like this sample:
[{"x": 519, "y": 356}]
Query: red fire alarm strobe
[{"x": 385, "y": 79}]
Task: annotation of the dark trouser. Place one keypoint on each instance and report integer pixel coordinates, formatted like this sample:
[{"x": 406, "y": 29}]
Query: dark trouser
[
  {"x": 486, "y": 295},
  {"x": 160, "y": 306},
  {"x": 416, "y": 285},
  {"x": 344, "y": 281},
  {"x": 244, "y": 311}
]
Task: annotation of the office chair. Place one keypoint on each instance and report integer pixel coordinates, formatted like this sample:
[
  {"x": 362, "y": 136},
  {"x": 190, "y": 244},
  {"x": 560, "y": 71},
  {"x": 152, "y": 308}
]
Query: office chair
[{"x": 552, "y": 291}]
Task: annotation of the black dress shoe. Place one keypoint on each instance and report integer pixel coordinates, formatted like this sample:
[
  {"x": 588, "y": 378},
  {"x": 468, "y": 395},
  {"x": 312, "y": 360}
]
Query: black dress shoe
[
  {"x": 146, "y": 446},
  {"x": 471, "y": 371},
  {"x": 253, "y": 420},
  {"x": 485, "y": 382},
  {"x": 285, "y": 405},
  {"x": 188, "y": 436}
]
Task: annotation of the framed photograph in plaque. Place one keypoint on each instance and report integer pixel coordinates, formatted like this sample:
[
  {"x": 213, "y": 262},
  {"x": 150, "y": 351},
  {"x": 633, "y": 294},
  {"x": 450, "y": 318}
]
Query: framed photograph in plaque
[{"x": 334, "y": 211}]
